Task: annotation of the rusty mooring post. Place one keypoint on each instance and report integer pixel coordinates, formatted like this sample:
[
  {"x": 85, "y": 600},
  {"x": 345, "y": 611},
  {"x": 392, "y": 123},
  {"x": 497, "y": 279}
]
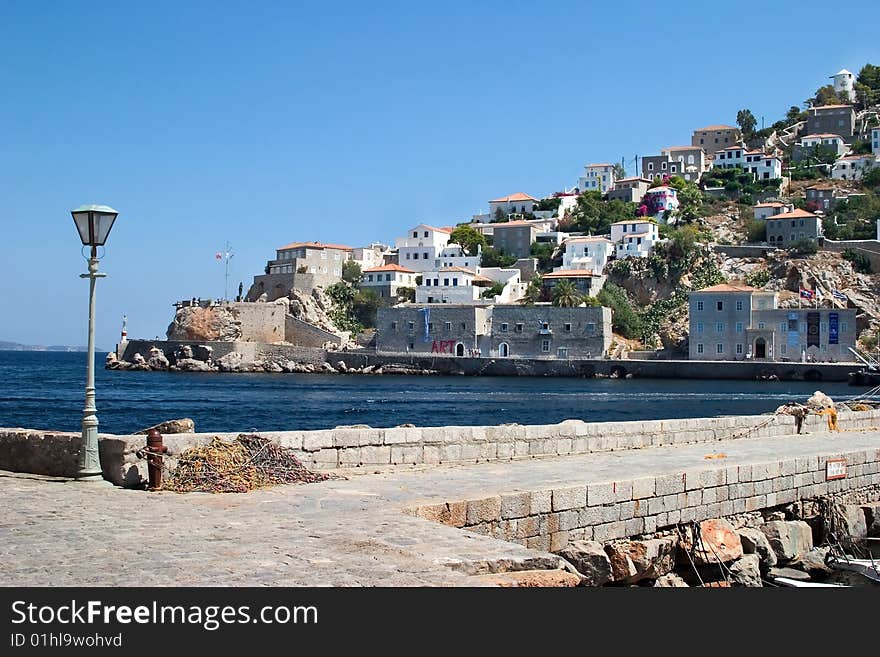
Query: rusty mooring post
[{"x": 155, "y": 450}]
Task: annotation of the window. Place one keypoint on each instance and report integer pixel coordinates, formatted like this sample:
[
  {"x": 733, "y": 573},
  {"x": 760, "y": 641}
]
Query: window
[
  {"x": 545, "y": 346},
  {"x": 454, "y": 282},
  {"x": 411, "y": 325},
  {"x": 792, "y": 325},
  {"x": 407, "y": 255},
  {"x": 446, "y": 282},
  {"x": 393, "y": 326},
  {"x": 430, "y": 327},
  {"x": 447, "y": 326},
  {"x": 844, "y": 326},
  {"x": 411, "y": 346},
  {"x": 699, "y": 327},
  {"x": 782, "y": 348},
  {"x": 415, "y": 233},
  {"x": 427, "y": 282},
  {"x": 323, "y": 255},
  {"x": 436, "y": 282},
  {"x": 424, "y": 256},
  {"x": 370, "y": 277},
  {"x": 545, "y": 326},
  {"x": 739, "y": 327},
  {"x": 699, "y": 347},
  {"x": 568, "y": 328},
  {"x": 760, "y": 326},
  {"x": 719, "y": 327},
  {"x": 719, "y": 305},
  {"x": 504, "y": 327},
  {"x": 783, "y": 327},
  {"x": 463, "y": 326},
  {"x": 591, "y": 327},
  {"x": 719, "y": 348},
  {"x": 739, "y": 349},
  {"x": 739, "y": 305},
  {"x": 426, "y": 233},
  {"x": 518, "y": 328},
  {"x": 699, "y": 305},
  {"x": 387, "y": 277},
  {"x": 650, "y": 166}
]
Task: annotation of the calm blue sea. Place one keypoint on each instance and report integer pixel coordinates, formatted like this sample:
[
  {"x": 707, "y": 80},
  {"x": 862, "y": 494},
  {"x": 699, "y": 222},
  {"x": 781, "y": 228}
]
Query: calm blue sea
[{"x": 45, "y": 390}]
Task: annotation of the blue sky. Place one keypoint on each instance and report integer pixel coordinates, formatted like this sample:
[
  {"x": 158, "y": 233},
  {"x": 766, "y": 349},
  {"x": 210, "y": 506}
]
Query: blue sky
[{"x": 263, "y": 123}]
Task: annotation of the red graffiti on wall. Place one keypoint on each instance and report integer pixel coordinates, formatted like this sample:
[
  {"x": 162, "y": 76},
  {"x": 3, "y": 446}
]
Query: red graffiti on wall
[{"x": 443, "y": 347}]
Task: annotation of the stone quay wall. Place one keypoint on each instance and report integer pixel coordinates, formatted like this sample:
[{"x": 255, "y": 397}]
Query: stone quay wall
[
  {"x": 56, "y": 453},
  {"x": 551, "y": 518}
]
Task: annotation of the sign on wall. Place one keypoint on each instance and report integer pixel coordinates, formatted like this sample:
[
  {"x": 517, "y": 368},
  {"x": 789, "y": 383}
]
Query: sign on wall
[
  {"x": 835, "y": 469},
  {"x": 833, "y": 330}
]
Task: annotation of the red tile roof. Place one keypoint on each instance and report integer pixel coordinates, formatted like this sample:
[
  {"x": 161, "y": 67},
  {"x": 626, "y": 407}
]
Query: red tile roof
[
  {"x": 390, "y": 267},
  {"x": 519, "y": 196},
  {"x": 437, "y": 230},
  {"x": 600, "y": 164},
  {"x": 770, "y": 205},
  {"x": 796, "y": 214},
  {"x": 716, "y": 127},
  {"x": 314, "y": 245},
  {"x": 822, "y": 135}
]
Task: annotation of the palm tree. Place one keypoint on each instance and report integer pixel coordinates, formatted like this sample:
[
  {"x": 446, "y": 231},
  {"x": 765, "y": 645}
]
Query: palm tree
[{"x": 565, "y": 295}]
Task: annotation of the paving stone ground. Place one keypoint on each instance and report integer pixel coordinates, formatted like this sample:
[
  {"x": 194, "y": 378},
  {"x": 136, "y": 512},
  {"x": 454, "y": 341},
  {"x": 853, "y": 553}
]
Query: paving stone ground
[{"x": 348, "y": 532}]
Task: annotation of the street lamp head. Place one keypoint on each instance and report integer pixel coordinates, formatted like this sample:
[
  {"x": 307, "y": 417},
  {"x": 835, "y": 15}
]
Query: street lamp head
[{"x": 94, "y": 223}]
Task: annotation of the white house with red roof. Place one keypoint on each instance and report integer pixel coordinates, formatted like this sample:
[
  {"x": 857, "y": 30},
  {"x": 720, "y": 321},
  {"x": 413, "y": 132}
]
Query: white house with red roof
[
  {"x": 823, "y": 140},
  {"x": 516, "y": 204},
  {"x": 853, "y": 167},
  {"x": 387, "y": 280},
  {"x": 590, "y": 253},
  {"x": 420, "y": 248},
  {"x": 597, "y": 178}
]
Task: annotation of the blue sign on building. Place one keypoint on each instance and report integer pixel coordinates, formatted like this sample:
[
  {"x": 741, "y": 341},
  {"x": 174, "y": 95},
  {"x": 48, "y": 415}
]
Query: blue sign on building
[{"x": 833, "y": 328}]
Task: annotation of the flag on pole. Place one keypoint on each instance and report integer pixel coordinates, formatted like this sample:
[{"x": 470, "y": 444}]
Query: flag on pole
[
  {"x": 819, "y": 296},
  {"x": 218, "y": 256},
  {"x": 806, "y": 294},
  {"x": 837, "y": 294}
]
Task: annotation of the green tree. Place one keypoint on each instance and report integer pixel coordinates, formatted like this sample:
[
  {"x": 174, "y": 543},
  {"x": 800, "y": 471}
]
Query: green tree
[
  {"x": 565, "y": 295},
  {"x": 351, "y": 272},
  {"x": 624, "y": 319},
  {"x": 550, "y": 204},
  {"x": 867, "y": 86},
  {"x": 594, "y": 216},
  {"x": 364, "y": 307},
  {"x": 535, "y": 290},
  {"x": 619, "y": 171},
  {"x": 826, "y": 95},
  {"x": 468, "y": 237},
  {"x": 493, "y": 257},
  {"x": 496, "y": 289},
  {"x": 406, "y": 294},
  {"x": 805, "y": 246},
  {"x": 690, "y": 200},
  {"x": 499, "y": 217},
  {"x": 756, "y": 230},
  {"x": 860, "y": 262},
  {"x": 795, "y": 114},
  {"x": 747, "y": 123},
  {"x": 543, "y": 251},
  {"x": 871, "y": 180}
]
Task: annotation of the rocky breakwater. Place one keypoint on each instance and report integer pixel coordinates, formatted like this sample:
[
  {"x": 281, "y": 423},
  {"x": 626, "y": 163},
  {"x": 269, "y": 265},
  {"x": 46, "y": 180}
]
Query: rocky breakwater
[
  {"x": 753, "y": 549},
  {"x": 199, "y": 358}
]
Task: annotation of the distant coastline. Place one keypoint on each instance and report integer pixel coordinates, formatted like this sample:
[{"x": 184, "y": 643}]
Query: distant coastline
[{"x": 16, "y": 346}]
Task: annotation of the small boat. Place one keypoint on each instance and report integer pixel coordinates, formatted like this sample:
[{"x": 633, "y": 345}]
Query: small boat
[
  {"x": 864, "y": 377},
  {"x": 867, "y": 567},
  {"x": 797, "y": 583}
]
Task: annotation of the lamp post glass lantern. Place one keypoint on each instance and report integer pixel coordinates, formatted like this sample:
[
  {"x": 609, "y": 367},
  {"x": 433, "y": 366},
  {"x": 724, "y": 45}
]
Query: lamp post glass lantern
[{"x": 93, "y": 223}]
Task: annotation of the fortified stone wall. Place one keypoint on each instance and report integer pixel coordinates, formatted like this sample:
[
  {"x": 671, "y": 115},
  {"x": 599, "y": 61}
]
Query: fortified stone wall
[
  {"x": 549, "y": 519},
  {"x": 307, "y": 335},
  {"x": 54, "y": 453}
]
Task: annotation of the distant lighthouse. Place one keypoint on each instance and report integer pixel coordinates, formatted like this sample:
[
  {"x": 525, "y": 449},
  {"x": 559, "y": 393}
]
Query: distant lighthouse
[
  {"x": 844, "y": 85},
  {"x": 123, "y": 336}
]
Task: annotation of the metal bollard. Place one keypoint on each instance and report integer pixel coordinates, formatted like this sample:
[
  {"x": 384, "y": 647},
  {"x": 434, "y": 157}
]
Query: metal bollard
[{"x": 155, "y": 450}]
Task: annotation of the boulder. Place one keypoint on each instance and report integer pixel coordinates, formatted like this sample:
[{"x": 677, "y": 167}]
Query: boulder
[
  {"x": 755, "y": 542},
  {"x": 820, "y": 400},
  {"x": 111, "y": 358},
  {"x": 590, "y": 560},
  {"x": 529, "y": 578},
  {"x": 272, "y": 367},
  {"x": 788, "y": 538},
  {"x": 183, "y": 425},
  {"x": 718, "y": 542},
  {"x": 746, "y": 571},
  {"x": 137, "y": 359},
  {"x": 231, "y": 362},
  {"x": 341, "y": 366},
  {"x": 203, "y": 352},
  {"x": 852, "y": 520},
  {"x": 872, "y": 519},
  {"x": 327, "y": 367},
  {"x": 790, "y": 573},
  {"x": 193, "y": 365},
  {"x": 183, "y": 352},
  {"x": 157, "y": 360},
  {"x": 633, "y": 561},
  {"x": 813, "y": 562},
  {"x": 670, "y": 580}
]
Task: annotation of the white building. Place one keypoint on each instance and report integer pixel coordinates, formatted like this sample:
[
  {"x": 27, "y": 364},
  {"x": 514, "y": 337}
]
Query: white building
[
  {"x": 453, "y": 255},
  {"x": 824, "y": 140},
  {"x": 635, "y": 237},
  {"x": 386, "y": 280},
  {"x": 518, "y": 203},
  {"x": 584, "y": 253},
  {"x": 597, "y": 178},
  {"x": 660, "y": 200},
  {"x": 421, "y": 247},
  {"x": 729, "y": 158},
  {"x": 370, "y": 256},
  {"x": 844, "y": 85},
  {"x": 875, "y": 141},
  {"x": 764, "y": 210},
  {"x": 852, "y": 167},
  {"x": 763, "y": 166}
]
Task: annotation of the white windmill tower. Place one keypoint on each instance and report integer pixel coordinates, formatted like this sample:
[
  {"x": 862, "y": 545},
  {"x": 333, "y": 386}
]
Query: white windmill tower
[{"x": 844, "y": 85}]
